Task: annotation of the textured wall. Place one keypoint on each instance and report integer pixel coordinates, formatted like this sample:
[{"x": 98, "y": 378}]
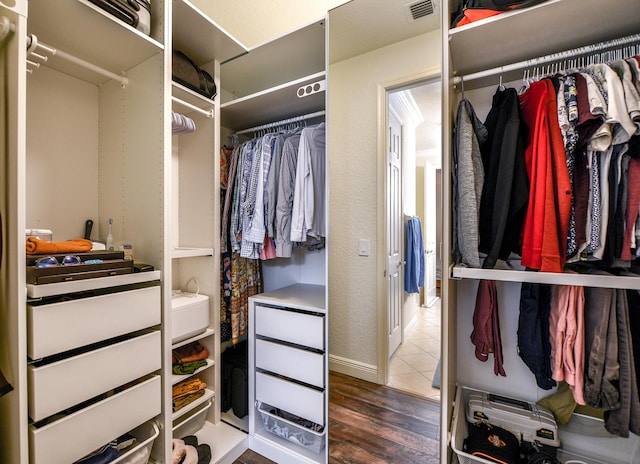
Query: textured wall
[{"x": 356, "y": 187}]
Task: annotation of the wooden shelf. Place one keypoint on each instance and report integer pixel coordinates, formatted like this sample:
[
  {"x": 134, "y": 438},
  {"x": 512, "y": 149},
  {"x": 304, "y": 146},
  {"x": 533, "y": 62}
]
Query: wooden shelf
[{"x": 208, "y": 394}]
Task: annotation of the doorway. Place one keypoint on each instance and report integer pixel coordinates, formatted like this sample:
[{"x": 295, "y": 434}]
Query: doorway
[{"x": 414, "y": 200}]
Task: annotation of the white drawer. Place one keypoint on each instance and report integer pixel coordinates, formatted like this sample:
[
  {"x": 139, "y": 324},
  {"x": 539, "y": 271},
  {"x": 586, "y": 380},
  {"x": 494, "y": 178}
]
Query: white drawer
[
  {"x": 302, "y": 365},
  {"x": 77, "y": 434},
  {"x": 304, "y": 402},
  {"x": 290, "y": 326},
  {"x": 58, "y": 327},
  {"x": 62, "y": 384}
]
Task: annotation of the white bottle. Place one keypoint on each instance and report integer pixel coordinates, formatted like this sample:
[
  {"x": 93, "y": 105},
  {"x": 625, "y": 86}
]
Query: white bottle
[{"x": 110, "y": 246}]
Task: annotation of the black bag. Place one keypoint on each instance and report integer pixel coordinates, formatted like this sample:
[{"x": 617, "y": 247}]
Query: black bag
[
  {"x": 492, "y": 443},
  {"x": 187, "y": 73},
  {"x": 234, "y": 391},
  {"x": 135, "y": 13}
]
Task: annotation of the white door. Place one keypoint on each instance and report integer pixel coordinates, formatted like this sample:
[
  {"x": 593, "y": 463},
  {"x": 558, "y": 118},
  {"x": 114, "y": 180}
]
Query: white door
[
  {"x": 429, "y": 233},
  {"x": 394, "y": 234}
]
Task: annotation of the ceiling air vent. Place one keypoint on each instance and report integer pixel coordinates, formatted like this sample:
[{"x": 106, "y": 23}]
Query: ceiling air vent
[{"x": 417, "y": 10}]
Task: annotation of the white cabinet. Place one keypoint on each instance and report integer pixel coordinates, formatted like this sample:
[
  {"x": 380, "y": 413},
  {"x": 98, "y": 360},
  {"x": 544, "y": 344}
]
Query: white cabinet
[
  {"x": 288, "y": 374},
  {"x": 485, "y": 53}
]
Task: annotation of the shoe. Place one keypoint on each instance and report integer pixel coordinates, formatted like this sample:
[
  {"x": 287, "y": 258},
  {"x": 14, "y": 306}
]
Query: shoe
[{"x": 204, "y": 454}]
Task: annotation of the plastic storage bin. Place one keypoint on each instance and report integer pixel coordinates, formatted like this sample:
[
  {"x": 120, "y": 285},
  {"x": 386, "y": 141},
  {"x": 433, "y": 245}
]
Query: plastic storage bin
[
  {"x": 291, "y": 431},
  {"x": 189, "y": 315}
]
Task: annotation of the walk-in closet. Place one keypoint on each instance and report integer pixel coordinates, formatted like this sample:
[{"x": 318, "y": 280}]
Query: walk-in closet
[
  {"x": 516, "y": 50},
  {"x": 104, "y": 138}
]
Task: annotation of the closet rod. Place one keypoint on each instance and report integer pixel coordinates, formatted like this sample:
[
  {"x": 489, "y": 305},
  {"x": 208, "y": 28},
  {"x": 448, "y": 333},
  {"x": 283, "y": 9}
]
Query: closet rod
[
  {"x": 34, "y": 44},
  {"x": 207, "y": 113},
  {"x": 284, "y": 121},
  {"x": 554, "y": 57}
]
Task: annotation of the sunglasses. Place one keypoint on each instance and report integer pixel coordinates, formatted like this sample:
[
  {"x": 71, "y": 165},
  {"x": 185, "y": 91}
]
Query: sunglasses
[{"x": 50, "y": 261}]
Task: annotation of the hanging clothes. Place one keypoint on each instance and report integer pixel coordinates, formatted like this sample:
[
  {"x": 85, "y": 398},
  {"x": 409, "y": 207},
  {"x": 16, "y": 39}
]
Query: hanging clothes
[
  {"x": 414, "y": 256},
  {"x": 505, "y": 190},
  {"x": 546, "y": 226},
  {"x": 181, "y": 124},
  {"x": 534, "y": 346},
  {"x": 486, "y": 326},
  {"x": 308, "y": 221},
  {"x": 284, "y": 202},
  {"x": 467, "y": 182}
]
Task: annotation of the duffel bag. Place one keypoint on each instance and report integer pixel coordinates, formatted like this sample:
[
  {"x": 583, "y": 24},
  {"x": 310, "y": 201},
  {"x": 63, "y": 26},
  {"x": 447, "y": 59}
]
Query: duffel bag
[
  {"x": 135, "y": 13},
  {"x": 187, "y": 73}
]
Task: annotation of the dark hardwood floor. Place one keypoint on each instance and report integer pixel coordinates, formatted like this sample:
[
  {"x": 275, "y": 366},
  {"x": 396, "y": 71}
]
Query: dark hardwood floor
[{"x": 374, "y": 424}]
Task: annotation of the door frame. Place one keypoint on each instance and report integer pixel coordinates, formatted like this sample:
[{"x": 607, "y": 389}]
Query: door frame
[{"x": 383, "y": 91}]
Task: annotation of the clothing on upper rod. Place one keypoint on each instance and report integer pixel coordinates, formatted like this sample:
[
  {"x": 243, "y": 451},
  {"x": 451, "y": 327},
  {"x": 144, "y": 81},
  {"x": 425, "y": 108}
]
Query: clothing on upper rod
[
  {"x": 582, "y": 160},
  {"x": 181, "y": 124}
]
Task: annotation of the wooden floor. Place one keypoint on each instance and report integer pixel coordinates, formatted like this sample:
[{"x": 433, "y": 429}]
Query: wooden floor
[{"x": 374, "y": 424}]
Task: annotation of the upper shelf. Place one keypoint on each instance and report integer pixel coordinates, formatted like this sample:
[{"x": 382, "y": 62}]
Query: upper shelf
[
  {"x": 507, "y": 38},
  {"x": 200, "y": 38},
  {"x": 285, "y": 59},
  {"x": 85, "y": 31},
  {"x": 273, "y": 104}
]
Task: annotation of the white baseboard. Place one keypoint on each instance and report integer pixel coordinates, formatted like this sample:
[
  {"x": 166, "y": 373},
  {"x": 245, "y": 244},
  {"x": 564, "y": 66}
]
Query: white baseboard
[{"x": 353, "y": 368}]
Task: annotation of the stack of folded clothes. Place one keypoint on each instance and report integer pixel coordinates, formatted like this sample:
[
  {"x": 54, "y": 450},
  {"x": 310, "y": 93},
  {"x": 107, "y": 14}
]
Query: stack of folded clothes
[
  {"x": 188, "y": 358},
  {"x": 187, "y": 391}
]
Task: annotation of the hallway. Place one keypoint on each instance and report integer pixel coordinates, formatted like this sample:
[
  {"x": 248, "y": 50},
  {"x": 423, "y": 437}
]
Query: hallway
[{"x": 413, "y": 365}]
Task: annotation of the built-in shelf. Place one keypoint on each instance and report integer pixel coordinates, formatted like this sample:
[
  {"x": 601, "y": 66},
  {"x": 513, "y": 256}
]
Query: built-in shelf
[
  {"x": 191, "y": 97},
  {"x": 241, "y": 423},
  {"x": 205, "y": 334},
  {"x": 187, "y": 252},
  {"x": 180, "y": 377},
  {"x": 506, "y": 38},
  {"x": 227, "y": 442},
  {"x": 125, "y": 48},
  {"x": 41, "y": 291},
  {"x": 208, "y": 394},
  {"x": 199, "y": 37},
  {"x": 276, "y": 103},
  {"x": 565, "y": 278}
]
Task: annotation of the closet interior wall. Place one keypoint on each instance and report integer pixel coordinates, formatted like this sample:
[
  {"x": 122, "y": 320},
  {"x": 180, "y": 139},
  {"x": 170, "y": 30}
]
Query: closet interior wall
[{"x": 475, "y": 48}]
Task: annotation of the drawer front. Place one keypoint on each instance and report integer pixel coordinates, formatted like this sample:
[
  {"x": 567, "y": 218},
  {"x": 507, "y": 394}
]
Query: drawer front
[
  {"x": 302, "y": 401},
  {"x": 58, "y": 327},
  {"x": 302, "y": 365},
  {"x": 76, "y": 435},
  {"x": 60, "y": 385},
  {"x": 289, "y": 326}
]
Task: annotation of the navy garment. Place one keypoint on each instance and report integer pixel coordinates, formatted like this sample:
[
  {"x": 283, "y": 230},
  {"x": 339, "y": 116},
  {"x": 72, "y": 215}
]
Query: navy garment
[
  {"x": 414, "y": 250},
  {"x": 534, "y": 346}
]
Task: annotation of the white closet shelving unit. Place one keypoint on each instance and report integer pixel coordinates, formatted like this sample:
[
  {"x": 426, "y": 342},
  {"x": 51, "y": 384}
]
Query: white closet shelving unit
[
  {"x": 86, "y": 142},
  {"x": 259, "y": 89},
  {"x": 477, "y": 50},
  {"x": 195, "y": 224}
]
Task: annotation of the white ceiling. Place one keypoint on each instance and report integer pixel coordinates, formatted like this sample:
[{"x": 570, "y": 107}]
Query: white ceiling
[{"x": 361, "y": 26}]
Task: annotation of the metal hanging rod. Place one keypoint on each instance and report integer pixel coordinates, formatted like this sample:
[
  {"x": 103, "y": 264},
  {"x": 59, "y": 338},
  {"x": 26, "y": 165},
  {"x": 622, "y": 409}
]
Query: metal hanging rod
[
  {"x": 207, "y": 113},
  {"x": 34, "y": 46},
  {"x": 282, "y": 123},
  {"x": 553, "y": 58}
]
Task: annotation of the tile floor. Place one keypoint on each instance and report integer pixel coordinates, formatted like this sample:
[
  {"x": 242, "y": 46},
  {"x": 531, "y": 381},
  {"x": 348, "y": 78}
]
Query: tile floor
[{"x": 413, "y": 364}]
